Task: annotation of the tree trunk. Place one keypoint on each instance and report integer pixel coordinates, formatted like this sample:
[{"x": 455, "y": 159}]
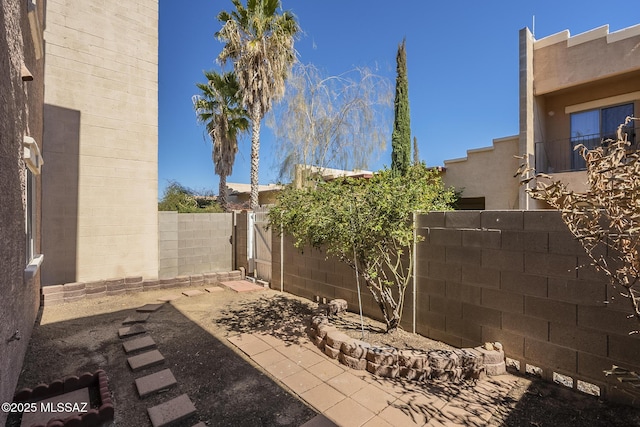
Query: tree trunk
[
  {"x": 222, "y": 192},
  {"x": 255, "y": 154}
]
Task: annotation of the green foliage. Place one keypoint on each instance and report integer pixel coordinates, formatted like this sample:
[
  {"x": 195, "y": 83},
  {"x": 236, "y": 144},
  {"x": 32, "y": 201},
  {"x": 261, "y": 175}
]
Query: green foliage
[
  {"x": 179, "y": 198},
  {"x": 401, "y": 137},
  {"x": 368, "y": 218}
]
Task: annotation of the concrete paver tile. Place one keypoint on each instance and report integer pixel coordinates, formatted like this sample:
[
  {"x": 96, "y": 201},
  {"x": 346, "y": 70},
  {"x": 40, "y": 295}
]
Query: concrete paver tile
[
  {"x": 145, "y": 360},
  {"x": 293, "y": 352},
  {"x": 136, "y": 318},
  {"x": 377, "y": 422},
  {"x": 326, "y": 370},
  {"x": 283, "y": 369},
  {"x": 301, "y": 381},
  {"x": 130, "y": 331},
  {"x": 349, "y": 413},
  {"x": 171, "y": 411},
  {"x": 373, "y": 398},
  {"x": 149, "y": 384},
  {"x": 346, "y": 383},
  {"x": 270, "y": 339},
  {"x": 249, "y": 344},
  {"x": 398, "y": 414},
  {"x": 310, "y": 358},
  {"x": 322, "y": 397},
  {"x": 319, "y": 421},
  {"x": 467, "y": 413},
  {"x": 142, "y": 343},
  {"x": 213, "y": 289},
  {"x": 242, "y": 286},
  {"x": 268, "y": 358},
  {"x": 149, "y": 308}
]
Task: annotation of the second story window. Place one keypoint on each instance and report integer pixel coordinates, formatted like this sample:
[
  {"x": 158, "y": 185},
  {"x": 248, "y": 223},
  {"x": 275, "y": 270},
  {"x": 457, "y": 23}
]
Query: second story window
[{"x": 591, "y": 127}]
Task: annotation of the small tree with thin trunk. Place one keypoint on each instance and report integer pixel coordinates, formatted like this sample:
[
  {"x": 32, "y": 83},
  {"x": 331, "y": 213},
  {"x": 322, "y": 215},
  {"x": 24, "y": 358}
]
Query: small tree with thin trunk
[
  {"x": 367, "y": 224},
  {"x": 606, "y": 218}
]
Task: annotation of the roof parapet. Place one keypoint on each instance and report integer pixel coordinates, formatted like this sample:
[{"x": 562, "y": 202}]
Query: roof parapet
[{"x": 594, "y": 34}]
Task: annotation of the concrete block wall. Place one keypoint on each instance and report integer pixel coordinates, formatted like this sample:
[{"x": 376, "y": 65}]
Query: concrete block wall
[
  {"x": 194, "y": 243},
  {"x": 517, "y": 277},
  {"x": 101, "y": 135}
]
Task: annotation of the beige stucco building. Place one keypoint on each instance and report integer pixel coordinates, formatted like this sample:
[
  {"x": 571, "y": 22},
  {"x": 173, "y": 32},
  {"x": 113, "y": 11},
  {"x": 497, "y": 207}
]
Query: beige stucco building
[
  {"x": 573, "y": 90},
  {"x": 100, "y": 140}
]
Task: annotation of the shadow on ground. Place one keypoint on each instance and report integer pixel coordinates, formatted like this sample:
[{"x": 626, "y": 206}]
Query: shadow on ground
[
  {"x": 284, "y": 318},
  {"x": 224, "y": 387}
]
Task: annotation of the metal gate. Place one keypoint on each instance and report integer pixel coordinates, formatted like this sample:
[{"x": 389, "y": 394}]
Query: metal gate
[{"x": 261, "y": 243}]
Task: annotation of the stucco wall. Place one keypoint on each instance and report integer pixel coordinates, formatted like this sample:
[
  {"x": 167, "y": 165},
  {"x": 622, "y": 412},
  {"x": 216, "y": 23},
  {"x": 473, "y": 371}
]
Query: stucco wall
[
  {"x": 101, "y": 131},
  {"x": 517, "y": 277},
  {"x": 20, "y": 115},
  {"x": 599, "y": 54},
  {"x": 487, "y": 173}
]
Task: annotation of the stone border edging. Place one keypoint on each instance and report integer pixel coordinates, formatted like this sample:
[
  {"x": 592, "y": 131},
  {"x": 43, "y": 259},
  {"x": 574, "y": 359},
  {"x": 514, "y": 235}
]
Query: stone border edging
[
  {"x": 92, "y": 417},
  {"x": 69, "y": 292},
  {"x": 451, "y": 365}
]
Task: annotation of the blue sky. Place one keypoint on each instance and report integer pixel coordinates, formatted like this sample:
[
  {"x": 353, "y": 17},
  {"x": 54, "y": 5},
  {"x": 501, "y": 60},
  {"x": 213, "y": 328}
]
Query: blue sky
[{"x": 462, "y": 66}]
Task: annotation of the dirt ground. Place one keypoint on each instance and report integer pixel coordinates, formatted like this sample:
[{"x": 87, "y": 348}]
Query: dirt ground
[{"x": 225, "y": 386}]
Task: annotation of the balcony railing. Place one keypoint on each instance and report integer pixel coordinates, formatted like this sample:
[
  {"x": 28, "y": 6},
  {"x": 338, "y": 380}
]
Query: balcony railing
[{"x": 560, "y": 155}]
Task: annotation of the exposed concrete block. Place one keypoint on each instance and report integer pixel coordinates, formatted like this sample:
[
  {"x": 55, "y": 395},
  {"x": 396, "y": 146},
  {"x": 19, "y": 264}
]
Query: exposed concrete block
[
  {"x": 527, "y": 241},
  {"x": 551, "y": 264},
  {"x": 482, "y": 239},
  {"x": 445, "y": 237},
  {"x": 446, "y": 272},
  {"x": 482, "y": 315},
  {"x": 464, "y": 293},
  {"x": 480, "y": 276},
  {"x": 543, "y": 220},
  {"x": 551, "y": 355},
  {"x": 503, "y": 260},
  {"x": 503, "y": 300},
  {"x": 581, "y": 339},
  {"x": 463, "y": 255},
  {"x": 526, "y": 325},
  {"x": 462, "y": 219},
  {"x": 502, "y": 220},
  {"x": 581, "y": 292},
  {"x": 548, "y": 309},
  {"x": 431, "y": 219},
  {"x": 525, "y": 284}
]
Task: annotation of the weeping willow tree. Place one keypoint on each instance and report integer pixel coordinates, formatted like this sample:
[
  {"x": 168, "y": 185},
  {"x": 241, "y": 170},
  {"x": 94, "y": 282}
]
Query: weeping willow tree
[{"x": 331, "y": 121}]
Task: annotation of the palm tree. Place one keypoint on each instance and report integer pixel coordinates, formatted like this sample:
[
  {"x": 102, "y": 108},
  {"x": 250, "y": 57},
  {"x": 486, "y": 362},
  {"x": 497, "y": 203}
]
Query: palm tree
[
  {"x": 259, "y": 42},
  {"x": 218, "y": 107}
]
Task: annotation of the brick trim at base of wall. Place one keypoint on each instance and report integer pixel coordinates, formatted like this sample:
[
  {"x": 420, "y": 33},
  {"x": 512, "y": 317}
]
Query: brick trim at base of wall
[{"x": 69, "y": 292}]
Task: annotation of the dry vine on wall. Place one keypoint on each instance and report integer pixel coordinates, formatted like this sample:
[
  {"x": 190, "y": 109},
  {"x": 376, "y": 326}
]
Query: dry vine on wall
[{"x": 605, "y": 219}]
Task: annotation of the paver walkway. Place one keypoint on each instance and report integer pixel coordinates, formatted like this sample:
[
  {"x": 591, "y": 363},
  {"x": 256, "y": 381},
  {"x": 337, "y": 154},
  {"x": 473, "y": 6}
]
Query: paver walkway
[{"x": 357, "y": 398}]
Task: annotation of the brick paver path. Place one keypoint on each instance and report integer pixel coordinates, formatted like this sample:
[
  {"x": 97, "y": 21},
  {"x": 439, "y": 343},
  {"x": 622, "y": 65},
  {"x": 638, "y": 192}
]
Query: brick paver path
[{"x": 357, "y": 398}]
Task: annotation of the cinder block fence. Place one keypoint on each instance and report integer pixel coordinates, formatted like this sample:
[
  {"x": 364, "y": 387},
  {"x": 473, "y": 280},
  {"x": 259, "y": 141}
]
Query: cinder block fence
[{"x": 518, "y": 277}]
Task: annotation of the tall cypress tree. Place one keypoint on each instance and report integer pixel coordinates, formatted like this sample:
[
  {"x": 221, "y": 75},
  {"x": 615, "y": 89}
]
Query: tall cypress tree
[
  {"x": 401, "y": 137},
  {"x": 416, "y": 153}
]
